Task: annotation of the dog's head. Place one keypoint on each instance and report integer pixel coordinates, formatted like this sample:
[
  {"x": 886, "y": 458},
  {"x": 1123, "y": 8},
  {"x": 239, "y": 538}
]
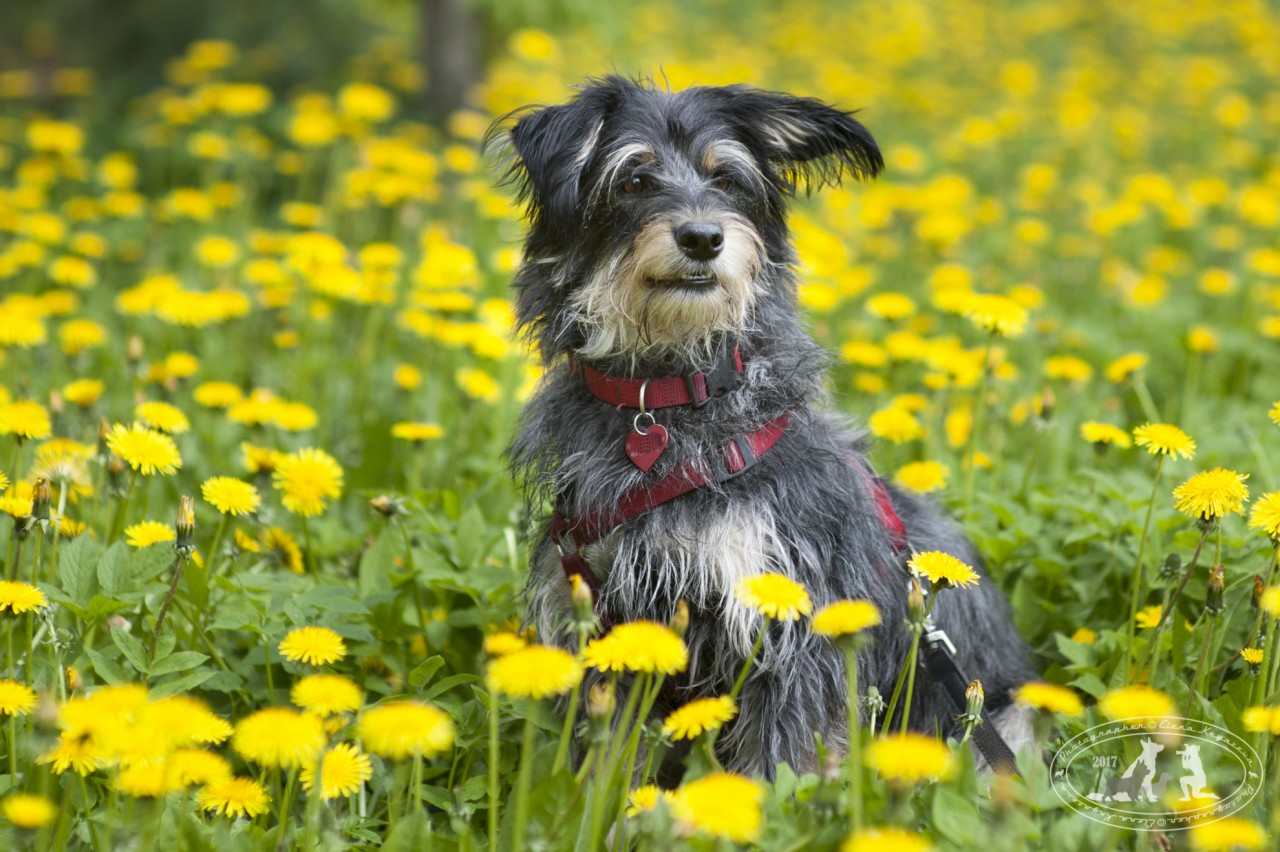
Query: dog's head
[{"x": 657, "y": 221}]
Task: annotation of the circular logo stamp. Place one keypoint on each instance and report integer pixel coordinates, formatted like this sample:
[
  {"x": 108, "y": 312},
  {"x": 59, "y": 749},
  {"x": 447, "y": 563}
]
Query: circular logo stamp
[{"x": 1161, "y": 774}]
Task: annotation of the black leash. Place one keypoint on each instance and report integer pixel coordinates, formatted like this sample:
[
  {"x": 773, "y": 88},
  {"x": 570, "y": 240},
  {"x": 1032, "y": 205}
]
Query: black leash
[{"x": 939, "y": 657}]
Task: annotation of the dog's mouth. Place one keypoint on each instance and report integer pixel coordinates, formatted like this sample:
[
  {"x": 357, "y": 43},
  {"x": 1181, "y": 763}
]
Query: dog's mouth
[{"x": 693, "y": 283}]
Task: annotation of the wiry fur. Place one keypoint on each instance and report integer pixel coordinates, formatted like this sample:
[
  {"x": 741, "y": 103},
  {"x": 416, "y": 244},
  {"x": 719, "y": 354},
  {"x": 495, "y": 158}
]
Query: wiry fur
[{"x": 592, "y": 285}]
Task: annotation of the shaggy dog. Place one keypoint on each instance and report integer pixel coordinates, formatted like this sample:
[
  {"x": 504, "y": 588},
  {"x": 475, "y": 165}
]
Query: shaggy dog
[{"x": 658, "y": 263}]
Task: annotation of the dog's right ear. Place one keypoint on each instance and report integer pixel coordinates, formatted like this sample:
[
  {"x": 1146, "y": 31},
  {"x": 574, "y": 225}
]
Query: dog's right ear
[{"x": 546, "y": 149}]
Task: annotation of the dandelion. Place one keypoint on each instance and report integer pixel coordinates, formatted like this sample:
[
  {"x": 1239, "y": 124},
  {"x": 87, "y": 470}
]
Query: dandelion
[
  {"x": 1211, "y": 494},
  {"x": 996, "y": 314},
  {"x": 278, "y": 737},
  {"x": 1084, "y": 636},
  {"x": 1262, "y": 720},
  {"x": 910, "y": 758},
  {"x": 722, "y": 805},
  {"x": 27, "y": 810},
  {"x": 18, "y": 597},
  {"x": 74, "y": 753},
  {"x": 774, "y": 596},
  {"x": 1102, "y": 434},
  {"x": 1149, "y": 616},
  {"x": 1164, "y": 439},
  {"x": 1049, "y": 696},
  {"x": 886, "y": 837},
  {"x": 26, "y": 420},
  {"x": 1229, "y": 834},
  {"x": 699, "y": 716},
  {"x": 504, "y": 642},
  {"x": 343, "y": 771},
  {"x": 922, "y": 477},
  {"x": 638, "y": 646},
  {"x": 416, "y": 432},
  {"x": 1125, "y": 366},
  {"x": 844, "y": 618},
  {"x": 230, "y": 496},
  {"x": 163, "y": 417},
  {"x": 1265, "y": 515},
  {"x": 145, "y": 450},
  {"x": 326, "y": 694},
  {"x": 234, "y": 797},
  {"x": 189, "y": 766},
  {"x": 315, "y": 646},
  {"x": 16, "y": 699},
  {"x": 398, "y": 730},
  {"x": 83, "y": 392},
  {"x": 147, "y": 533},
  {"x": 646, "y": 798},
  {"x": 308, "y": 479},
  {"x": 1136, "y": 702},
  {"x": 536, "y": 671},
  {"x": 943, "y": 569},
  {"x": 895, "y": 424}
]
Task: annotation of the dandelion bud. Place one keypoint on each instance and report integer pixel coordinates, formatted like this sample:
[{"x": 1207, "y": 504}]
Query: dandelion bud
[
  {"x": 133, "y": 349},
  {"x": 1213, "y": 600},
  {"x": 600, "y": 701},
  {"x": 974, "y": 697},
  {"x": 1259, "y": 588},
  {"x": 56, "y": 404},
  {"x": 584, "y": 609},
  {"x": 386, "y": 506},
  {"x": 41, "y": 497},
  {"x": 1047, "y": 403},
  {"x": 915, "y": 604},
  {"x": 873, "y": 703},
  {"x": 104, "y": 429},
  {"x": 680, "y": 620},
  {"x": 185, "y": 527},
  {"x": 1171, "y": 568}
]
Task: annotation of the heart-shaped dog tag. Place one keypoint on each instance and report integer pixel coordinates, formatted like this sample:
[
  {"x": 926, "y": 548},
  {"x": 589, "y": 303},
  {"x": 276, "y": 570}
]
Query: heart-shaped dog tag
[{"x": 644, "y": 448}]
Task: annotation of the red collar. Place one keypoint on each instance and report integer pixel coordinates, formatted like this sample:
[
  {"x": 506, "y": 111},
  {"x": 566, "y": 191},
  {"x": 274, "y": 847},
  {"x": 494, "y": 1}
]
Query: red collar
[{"x": 663, "y": 391}]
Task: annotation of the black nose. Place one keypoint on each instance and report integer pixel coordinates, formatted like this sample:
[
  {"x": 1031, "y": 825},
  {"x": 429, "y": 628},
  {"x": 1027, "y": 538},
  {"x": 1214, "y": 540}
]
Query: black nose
[{"x": 700, "y": 240}]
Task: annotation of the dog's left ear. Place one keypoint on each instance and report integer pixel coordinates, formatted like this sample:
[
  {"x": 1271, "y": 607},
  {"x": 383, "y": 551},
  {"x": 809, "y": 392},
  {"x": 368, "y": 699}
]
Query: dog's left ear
[{"x": 810, "y": 142}]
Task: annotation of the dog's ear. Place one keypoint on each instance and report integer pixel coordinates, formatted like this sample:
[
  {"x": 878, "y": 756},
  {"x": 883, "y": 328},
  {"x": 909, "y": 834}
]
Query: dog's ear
[
  {"x": 547, "y": 149},
  {"x": 809, "y": 142}
]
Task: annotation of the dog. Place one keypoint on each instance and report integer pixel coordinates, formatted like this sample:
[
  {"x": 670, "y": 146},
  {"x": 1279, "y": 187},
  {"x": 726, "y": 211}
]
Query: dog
[{"x": 657, "y": 257}]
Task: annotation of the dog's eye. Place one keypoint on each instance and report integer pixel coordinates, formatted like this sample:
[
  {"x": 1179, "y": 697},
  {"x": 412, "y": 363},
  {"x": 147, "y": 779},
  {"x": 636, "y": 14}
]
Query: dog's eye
[
  {"x": 636, "y": 183},
  {"x": 724, "y": 183}
]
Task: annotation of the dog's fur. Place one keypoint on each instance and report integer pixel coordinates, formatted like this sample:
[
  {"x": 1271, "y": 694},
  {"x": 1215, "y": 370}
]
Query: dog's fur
[{"x": 607, "y": 177}]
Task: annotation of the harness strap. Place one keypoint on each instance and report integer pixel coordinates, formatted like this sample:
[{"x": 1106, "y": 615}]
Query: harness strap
[
  {"x": 938, "y": 656},
  {"x": 694, "y": 389}
]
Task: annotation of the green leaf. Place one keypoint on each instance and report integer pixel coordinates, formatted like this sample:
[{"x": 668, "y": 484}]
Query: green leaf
[
  {"x": 107, "y": 668},
  {"x": 100, "y": 606},
  {"x": 956, "y": 818},
  {"x": 448, "y": 683},
  {"x": 78, "y": 569},
  {"x": 424, "y": 670},
  {"x": 235, "y": 614},
  {"x": 111, "y": 570},
  {"x": 131, "y": 647},
  {"x": 377, "y": 564},
  {"x": 408, "y": 833},
  {"x": 181, "y": 661},
  {"x": 182, "y": 684}
]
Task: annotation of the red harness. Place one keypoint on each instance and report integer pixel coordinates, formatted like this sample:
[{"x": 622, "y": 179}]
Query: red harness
[{"x": 572, "y": 535}]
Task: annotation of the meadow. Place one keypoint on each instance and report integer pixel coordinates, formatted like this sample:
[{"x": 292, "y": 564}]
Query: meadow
[{"x": 262, "y": 555}]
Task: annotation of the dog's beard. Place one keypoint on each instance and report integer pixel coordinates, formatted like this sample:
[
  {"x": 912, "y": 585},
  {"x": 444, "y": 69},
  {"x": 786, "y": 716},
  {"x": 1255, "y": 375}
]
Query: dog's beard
[{"x": 632, "y": 306}]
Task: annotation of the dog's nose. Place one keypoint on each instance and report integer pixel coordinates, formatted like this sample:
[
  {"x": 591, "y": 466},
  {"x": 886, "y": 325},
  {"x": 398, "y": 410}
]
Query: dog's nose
[{"x": 700, "y": 240}]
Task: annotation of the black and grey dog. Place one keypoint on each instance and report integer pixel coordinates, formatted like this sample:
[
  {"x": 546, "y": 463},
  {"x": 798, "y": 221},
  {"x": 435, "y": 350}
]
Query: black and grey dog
[{"x": 683, "y": 430}]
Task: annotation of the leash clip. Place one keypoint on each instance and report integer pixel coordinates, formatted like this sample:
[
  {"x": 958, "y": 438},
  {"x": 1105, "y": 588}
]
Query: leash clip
[{"x": 721, "y": 469}]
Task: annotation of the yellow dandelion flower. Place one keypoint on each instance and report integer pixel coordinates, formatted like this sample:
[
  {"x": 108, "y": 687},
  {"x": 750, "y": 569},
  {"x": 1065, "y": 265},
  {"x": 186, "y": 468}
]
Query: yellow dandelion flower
[
  {"x": 1252, "y": 656},
  {"x": 398, "y": 730},
  {"x": 145, "y": 450},
  {"x": 16, "y": 699},
  {"x": 1140, "y": 702},
  {"x": 996, "y": 314},
  {"x": 1164, "y": 439},
  {"x": 1149, "y": 616},
  {"x": 407, "y": 376},
  {"x": 1125, "y": 366},
  {"x": 217, "y": 395},
  {"x": 83, "y": 392},
  {"x": 536, "y": 671},
  {"x": 890, "y": 306},
  {"x": 1230, "y": 834},
  {"x": 1265, "y": 515},
  {"x": 1274, "y": 413},
  {"x": 278, "y": 737},
  {"x": 504, "y": 642},
  {"x": 895, "y": 424},
  {"x": 637, "y": 646},
  {"x": 943, "y": 569},
  {"x": 326, "y": 694},
  {"x": 74, "y": 753},
  {"x": 195, "y": 766},
  {"x": 260, "y": 459},
  {"x": 722, "y": 805},
  {"x": 234, "y": 797},
  {"x": 774, "y": 596},
  {"x": 1068, "y": 368},
  {"x": 1262, "y": 720},
  {"x": 230, "y": 496},
  {"x": 1104, "y": 433},
  {"x": 844, "y": 618},
  {"x": 1084, "y": 636},
  {"x": 646, "y": 798},
  {"x": 26, "y": 419},
  {"x": 315, "y": 646},
  {"x": 21, "y": 330},
  {"x": 910, "y": 758},
  {"x": 699, "y": 716},
  {"x": 163, "y": 417},
  {"x": 145, "y": 779},
  {"x": 416, "y": 432},
  {"x": 1270, "y": 601},
  {"x": 922, "y": 477},
  {"x": 343, "y": 771},
  {"x": 283, "y": 547},
  {"x": 27, "y": 810},
  {"x": 147, "y": 533},
  {"x": 886, "y": 837},
  {"x": 1211, "y": 494},
  {"x": 1049, "y": 696},
  {"x": 308, "y": 479},
  {"x": 18, "y": 597}
]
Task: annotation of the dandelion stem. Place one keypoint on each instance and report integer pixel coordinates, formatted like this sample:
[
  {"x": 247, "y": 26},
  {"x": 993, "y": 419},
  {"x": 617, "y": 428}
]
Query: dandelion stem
[
  {"x": 306, "y": 538},
  {"x": 214, "y": 561},
  {"x": 493, "y": 770},
  {"x": 566, "y": 732},
  {"x": 912, "y": 656},
  {"x": 523, "y": 782},
  {"x": 751, "y": 658},
  {"x": 286, "y": 804},
  {"x": 979, "y": 421},
  {"x": 122, "y": 510},
  {"x": 1154, "y": 643},
  {"x": 855, "y": 739},
  {"x": 178, "y": 562},
  {"x": 1144, "y": 398},
  {"x": 84, "y": 802},
  {"x": 266, "y": 658},
  {"x": 1197, "y": 683},
  {"x": 1136, "y": 588}
]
